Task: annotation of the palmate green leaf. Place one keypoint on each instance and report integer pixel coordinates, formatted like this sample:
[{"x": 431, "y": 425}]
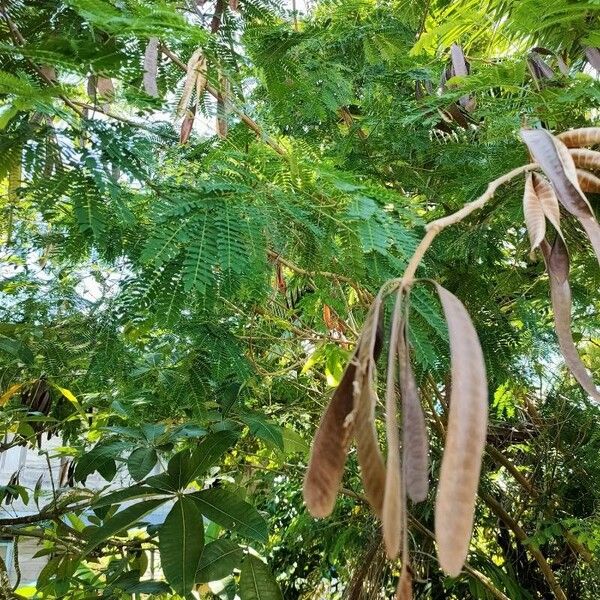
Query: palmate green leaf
[
  {"x": 141, "y": 461},
  {"x": 269, "y": 432},
  {"x": 180, "y": 542},
  {"x": 123, "y": 520},
  {"x": 226, "y": 509},
  {"x": 210, "y": 450},
  {"x": 257, "y": 582},
  {"x": 219, "y": 559}
]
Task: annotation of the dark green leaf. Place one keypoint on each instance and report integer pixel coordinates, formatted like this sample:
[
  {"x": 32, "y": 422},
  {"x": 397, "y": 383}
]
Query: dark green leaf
[
  {"x": 265, "y": 430},
  {"x": 226, "y": 509},
  {"x": 141, "y": 461},
  {"x": 257, "y": 581},
  {"x": 219, "y": 559},
  {"x": 181, "y": 539}
]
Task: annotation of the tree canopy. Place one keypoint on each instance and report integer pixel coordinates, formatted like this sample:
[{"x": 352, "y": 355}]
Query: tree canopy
[{"x": 200, "y": 201}]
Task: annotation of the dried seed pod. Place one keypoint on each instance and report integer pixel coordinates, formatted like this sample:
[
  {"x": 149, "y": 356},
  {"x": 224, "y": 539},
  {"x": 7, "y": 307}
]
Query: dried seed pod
[
  {"x": 392, "y": 500},
  {"x": 557, "y": 264},
  {"x": 151, "y": 67},
  {"x": 535, "y": 220},
  {"x": 195, "y": 65},
  {"x": 330, "y": 445},
  {"x": 588, "y": 181},
  {"x": 548, "y": 200},
  {"x": 404, "y": 589},
  {"x": 370, "y": 460},
  {"x": 415, "y": 442},
  {"x": 593, "y": 56},
  {"x": 187, "y": 125},
  {"x": 586, "y": 159},
  {"x": 465, "y": 439},
  {"x": 579, "y": 138}
]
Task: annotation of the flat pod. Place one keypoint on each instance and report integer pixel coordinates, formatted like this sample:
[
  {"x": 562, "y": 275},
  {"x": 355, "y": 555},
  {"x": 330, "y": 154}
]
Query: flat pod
[
  {"x": 548, "y": 200},
  {"x": 392, "y": 500},
  {"x": 330, "y": 446},
  {"x": 578, "y": 138},
  {"x": 465, "y": 438},
  {"x": 535, "y": 220},
  {"x": 557, "y": 264},
  {"x": 588, "y": 181}
]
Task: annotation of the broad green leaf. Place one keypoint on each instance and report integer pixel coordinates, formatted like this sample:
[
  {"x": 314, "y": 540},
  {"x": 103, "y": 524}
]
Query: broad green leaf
[
  {"x": 226, "y": 509},
  {"x": 257, "y": 582},
  {"x": 123, "y": 520},
  {"x": 131, "y": 493},
  {"x": 99, "y": 458},
  {"x": 181, "y": 539},
  {"x": 219, "y": 559},
  {"x": 210, "y": 450},
  {"x": 140, "y": 462},
  {"x": 293, "y": 442},
  {"x": 266, "y": 431}
]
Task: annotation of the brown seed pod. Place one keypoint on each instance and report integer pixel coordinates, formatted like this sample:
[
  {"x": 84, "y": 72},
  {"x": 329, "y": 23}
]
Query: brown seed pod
[
  {"x": 579, "y": 138},
  {"x": 535, "y": 221},
  {"x": 465, "y": 438},
  {"x": 588, "y": 181},
  {"x": 586, "y": 159}
]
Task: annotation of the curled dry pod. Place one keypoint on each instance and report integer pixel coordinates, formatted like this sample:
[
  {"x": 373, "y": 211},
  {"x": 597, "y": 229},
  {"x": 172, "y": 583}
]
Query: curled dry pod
[
  {"x": 415, "y": 442},
  {"x": 588, "y": 181},
  {"x": 548, "y": 200},
  {"x": 151, "y": 67},
  {"x": 578, "y": 138},
  {"x": 557, "y": 163},
  {"x": 392, "y": 499},
  {"x": 557, "y": 264},
  {"x": 465, "y": 439},
  {"x": 330, "y": 446},
  {"x": 194, "y": 64},
  {"x": 593, "y": 56},
  {"x": 535, "y": 220},
  {"x": 460, "y": 67},
  {"x": 370, "y": 460},
  {"x": 186, "y": 125},
  {"x": 586, "y": 159}
]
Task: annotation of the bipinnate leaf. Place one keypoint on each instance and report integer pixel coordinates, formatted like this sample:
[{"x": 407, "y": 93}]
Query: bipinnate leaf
[
  {"x": 535, "y": 220},
  {"x": 415, "y": 442},
  {"x": 330, "y": 445},
  {"x": 180, "y": 542},
  {"x": 557, "y": 264},
  {"x": 392, "y": 499},
  {"x": 151, "y": 67},
  {"x": 588, "y": 181},
  {"x": 465, "y": 439},
  {"x": 579, "y": 138},
  {"x": 257, "y": 582}
]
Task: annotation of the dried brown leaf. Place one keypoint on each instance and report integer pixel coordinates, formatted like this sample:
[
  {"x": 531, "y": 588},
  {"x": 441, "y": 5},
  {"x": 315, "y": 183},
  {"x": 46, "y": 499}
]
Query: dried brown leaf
[
  {"x": 151, "y": 67},
  {"x": 586, "y": 159},
  {"x": 535, "y": 220},
  {"x": 578, "y": 138},
  {"x": 415, "y": 442},
  {"x": 330, "y": 446},
  {"x": 588, "y": 181},
  {"x": 557, "y": 264},
  {"x": 465, "y": 439},
  {"x": 392, "y": 500}
]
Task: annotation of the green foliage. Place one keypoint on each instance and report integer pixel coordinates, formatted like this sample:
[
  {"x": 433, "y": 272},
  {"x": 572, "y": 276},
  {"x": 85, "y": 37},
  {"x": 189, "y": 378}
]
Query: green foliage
[{"x": 174, "y": 315}]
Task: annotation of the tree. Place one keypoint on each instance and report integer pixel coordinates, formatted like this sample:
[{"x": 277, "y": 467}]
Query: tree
[{"x": 189, "y": 300}]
